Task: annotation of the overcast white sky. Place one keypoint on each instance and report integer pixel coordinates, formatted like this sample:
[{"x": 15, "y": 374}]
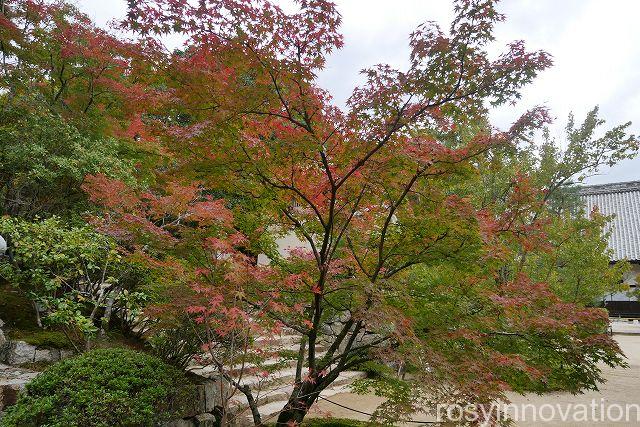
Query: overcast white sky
[{"x": 595, "y": 45}]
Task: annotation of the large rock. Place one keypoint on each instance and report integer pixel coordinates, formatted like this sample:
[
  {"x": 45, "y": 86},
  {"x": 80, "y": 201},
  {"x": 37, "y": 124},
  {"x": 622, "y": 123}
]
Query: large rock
[
  {"x": 47, "y": 355},
  {"x": 20, "y": 352},
  {"x": 211, "y": 398},
  {"x": 205, "y": 420},
  {"x": 207, "y": 397}
]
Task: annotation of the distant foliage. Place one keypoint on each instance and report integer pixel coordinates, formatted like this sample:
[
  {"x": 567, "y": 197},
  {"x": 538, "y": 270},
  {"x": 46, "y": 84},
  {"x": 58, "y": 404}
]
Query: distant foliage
[
  {"x": 104, "y": 387},
  {"x": 533, "y": 184},
  {"x": 43, "y": 160}
]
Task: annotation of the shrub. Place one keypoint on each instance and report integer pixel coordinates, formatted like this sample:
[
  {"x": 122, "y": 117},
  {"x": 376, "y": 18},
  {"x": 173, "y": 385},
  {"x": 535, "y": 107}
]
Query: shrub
[
  {"x": 104, "y": 387},
  {"x": 76, "y": 276},
  {"x": 176, "y": 345}
]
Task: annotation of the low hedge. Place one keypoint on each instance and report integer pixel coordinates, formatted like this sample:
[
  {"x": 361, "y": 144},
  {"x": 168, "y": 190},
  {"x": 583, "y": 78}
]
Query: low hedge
[{"x": 104, "y": 387}]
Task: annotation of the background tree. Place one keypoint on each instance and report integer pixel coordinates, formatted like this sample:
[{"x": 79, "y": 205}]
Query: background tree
[
  {"x": 70, "y": 98},
  {"x": 43, "y": 161},
  {"x": 69, "y": 93},
  {"x": 53, "y": 52},
  {"x": 575, "y": 261},
  {"x": 75, "y": 277}
]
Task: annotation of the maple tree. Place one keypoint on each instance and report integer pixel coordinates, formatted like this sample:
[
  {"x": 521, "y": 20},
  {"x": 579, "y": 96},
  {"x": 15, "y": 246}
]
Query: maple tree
[
  {"x": 185, "y": 233},
  {"x": 371, "y": 191},
  {"x": 52, "y": 51}
]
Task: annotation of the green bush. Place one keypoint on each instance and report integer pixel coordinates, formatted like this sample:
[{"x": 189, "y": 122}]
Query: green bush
[{"x": 104, "y": 387}]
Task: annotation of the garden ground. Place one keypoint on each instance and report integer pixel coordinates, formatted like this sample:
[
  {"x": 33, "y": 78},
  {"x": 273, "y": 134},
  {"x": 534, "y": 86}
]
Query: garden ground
[{"x": 622, "y": 388}]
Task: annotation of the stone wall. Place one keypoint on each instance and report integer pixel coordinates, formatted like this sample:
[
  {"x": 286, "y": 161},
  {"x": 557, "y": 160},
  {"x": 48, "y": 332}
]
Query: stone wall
[
  {"x": 20, "y": 352},
  {"x": 14, "y": 352}
]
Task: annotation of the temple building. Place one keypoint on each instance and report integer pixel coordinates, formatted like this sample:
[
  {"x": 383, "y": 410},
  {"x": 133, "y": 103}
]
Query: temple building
[{"x": 622, "y": 200}]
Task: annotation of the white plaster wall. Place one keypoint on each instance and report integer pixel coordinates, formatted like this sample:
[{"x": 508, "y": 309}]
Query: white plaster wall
[
  {"x": 631, "y": 278},
  {"x": 285, "y": 244}
]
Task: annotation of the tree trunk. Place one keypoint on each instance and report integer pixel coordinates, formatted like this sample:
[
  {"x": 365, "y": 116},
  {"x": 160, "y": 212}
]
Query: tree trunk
[
  {"x": 297, "y": 407},
  {"x": 293, "y": 414},
  {"x": 37, "y": 311},
  {"x": 106, "y": 318},
  {"x": 253, "y": 405}
]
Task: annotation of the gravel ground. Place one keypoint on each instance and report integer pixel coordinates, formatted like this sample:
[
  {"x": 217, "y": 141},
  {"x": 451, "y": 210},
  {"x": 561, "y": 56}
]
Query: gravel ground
[{"x": 607, "y": 407}]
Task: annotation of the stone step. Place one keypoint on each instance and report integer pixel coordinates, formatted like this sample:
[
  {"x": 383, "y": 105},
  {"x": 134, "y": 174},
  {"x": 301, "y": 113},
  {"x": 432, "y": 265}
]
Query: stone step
[
  {"x": 269, "y": 364},
  {"x": 278, "y": 340},
  {"x": 277, "y": 377},
  {"x": 271, "y": 407},
  {"x": 274, "y": 398},
  {"x": 250, "y": 368},
  {"x": 284, "y": 375},
  {"x": 12, "y": 381}
]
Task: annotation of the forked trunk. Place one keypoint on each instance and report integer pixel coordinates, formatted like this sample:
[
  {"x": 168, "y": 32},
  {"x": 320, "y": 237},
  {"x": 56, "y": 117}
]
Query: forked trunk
[
  {"x": 293, "y": 414},
  {"x": 298, "y": 405}
]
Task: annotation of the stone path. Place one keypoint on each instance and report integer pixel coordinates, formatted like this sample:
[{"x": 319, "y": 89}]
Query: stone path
[
  {"x": 621, "y": 389},
  {"x": 12, "y": 380},
  {"x": 625, "y": 326}
]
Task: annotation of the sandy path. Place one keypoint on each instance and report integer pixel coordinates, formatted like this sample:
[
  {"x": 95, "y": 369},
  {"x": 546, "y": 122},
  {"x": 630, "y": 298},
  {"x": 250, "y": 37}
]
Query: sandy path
[{"x": 600, "y": 408}]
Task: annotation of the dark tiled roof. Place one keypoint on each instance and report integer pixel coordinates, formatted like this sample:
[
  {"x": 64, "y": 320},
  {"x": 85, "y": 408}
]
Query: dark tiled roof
[{"x": 621, "y": 199}]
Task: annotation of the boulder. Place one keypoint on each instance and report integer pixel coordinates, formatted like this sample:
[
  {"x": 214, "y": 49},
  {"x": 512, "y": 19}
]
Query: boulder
[
  {"x": 205, "y": 420},
  {"x": 207, "y": 396},
  {"x": 47, "y": 355},
  {"x": 200, "y": 404},
  {"x": 20, "y": 352},
  {"x": 210, "y": 396}
]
